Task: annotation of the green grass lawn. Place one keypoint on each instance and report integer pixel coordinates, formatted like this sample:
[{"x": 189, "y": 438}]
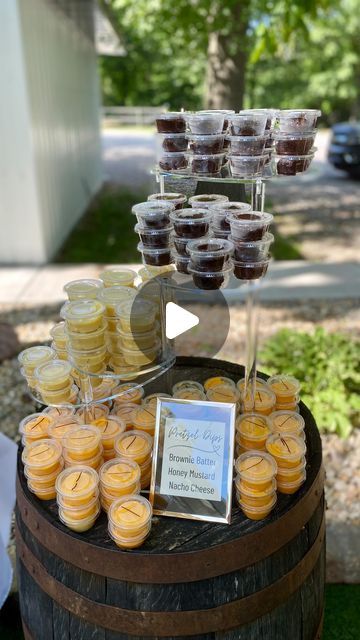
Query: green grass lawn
[
  {"x": 105, "y": 234},
  {"x": 342, "y": 615}
]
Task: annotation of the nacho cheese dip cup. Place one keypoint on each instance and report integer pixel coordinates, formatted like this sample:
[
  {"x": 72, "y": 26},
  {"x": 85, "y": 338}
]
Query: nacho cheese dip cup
[
  {"x": 62, "y": 425},
  {"x": 285, "y": 387},
  {"x": 83, "y": 316},
  {"x": 256, "y": 469},
  {"x": 134, "y": 445},
  {"x": 109, "y": 427},
  {"x": 54, "y": 375},
  {"x": 258, "y": 513},
  {"x": 286, "y": 449},
  {"x": 130, "y": 516},
  {"x": 287, "y": 422},
  {"x": 119, "y": 477},
  {"x": 42, "y": 457},
  {"x": 82, "y": 442},
  {"x": 253, "y": 430},
  {"x": 35, "y": 427},
  {"x": 77, "y": 485}
]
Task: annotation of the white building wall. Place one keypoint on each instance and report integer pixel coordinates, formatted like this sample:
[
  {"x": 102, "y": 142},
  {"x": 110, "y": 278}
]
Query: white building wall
[{"x": 61, "y": 106}]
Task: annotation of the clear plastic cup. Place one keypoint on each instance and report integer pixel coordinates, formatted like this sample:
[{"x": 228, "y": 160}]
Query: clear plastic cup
[
  {"x": 186, "y": 384},
  {"x": 204, "y": 201},
  {"x": 249, "y": 226},
  {"x": 82, "y": 442},
  {"x": 177, "y": 199},
  {"x": 247, "y": 166},
  {"x": 155, "y": 257},
  {"x": 138, "y": 317},
  {"x": 250, "y": 270},
  {"x": 111, "y": 297},
  {"x": 126, "y": 542},
  {"x": 287, "y": 450},
  {"x": 247, "y": 145},
  {"x": 291, "y": 487},
  {"x": 285, "y": 387},
  {"x": 171, "y": 142},
  {"x": 171, "y": 122},
  {"x": 256, "y": 251},
  {"x": 119, "y": 477},
  {"x": 87, "y": 360},
  {"x": 223, "y": 393},
  {"x": 43, "y": 456},
  {"x": 58, "y": 335},
  {"x": 297, "y": 120},
  {"x": 95, "y": 462},
  {"x": 84, "y": 289},
  {"x": 293, "y": 144},
  {"x": 134, "y": 445},
  {"x": 88, "y": 414},
  {"x": 292, "y": 165},
  {"x": 206, "y": 144},
  {"x": 59, "y": 412},
  {"x": 35, "y": 427},
  {"x": 109, "y": 454},
  {"x": 271, "y": 115},
  {"x": 210, "y": 254},
  {"x": 206, "y": 164},
  {"x": 60, "y": 396},
  {"x": 143, "y": 340},
  {"x": 263, "y": 401},
  {"x": 225, "y": 112},
  {"x": 191, "y": 222},
  {"x": 45, "y": 481},
  {"x": 222, "y": 210},
  {"x": 118, "y": 277},
  {"x": 258, "y": 513},
  {"x": 215, "y": 381},
  {"x": 189, "y": 392},
  {"x": 248, "y": 124},
  {"x": 291, "y": 474},
  {"x": 256, "y": 469},
  {"x": 80, "y": 526},
  {"x": 130, "y": 516},
  {"x": 61, "y": 354},
  {"x": 47, "y": 493},
  {"x": 253, "y": 430},
  {"x": 109, "y": 427},
  {"x": 219, "y": 233},
  {"x": 77, "y": 486},
  {"x": 86, "y": 341},
  {"x": 107, "y": 498},
  {"x": 103, "y": 390},
  {"x": 153, "y": 397},
  {"x": 33, "y": 357},
  {"x": 173, "y": 161},
  {"x": 181, "y": 243},
  {"x": 153, "y": 214},
  {"x": 81, "y": 512},
  {"x": 83, "y": 316},
  {"x": 289, "y": 406},
  {"x": 62, "y": 425},
  {"x": 254, "y": 497},
  {"x": 154, "y": 238},
  {"x": 139, "y": 358},
  {"x": 54, "y": 375},
  {"x": 210, "y": 123},
  {"x": 129, "y": 392},
  {"x": 125, "y": 411},
  {"x": 259, "y": 383},
  {"x": 182, "y": 263},
  {"x": 211, "y": 280}
]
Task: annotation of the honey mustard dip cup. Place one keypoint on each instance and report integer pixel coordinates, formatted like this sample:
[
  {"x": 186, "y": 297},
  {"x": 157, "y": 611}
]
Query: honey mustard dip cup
[
  {"x": 83, "y": 316},
  {"x": 77, "y": 486}
]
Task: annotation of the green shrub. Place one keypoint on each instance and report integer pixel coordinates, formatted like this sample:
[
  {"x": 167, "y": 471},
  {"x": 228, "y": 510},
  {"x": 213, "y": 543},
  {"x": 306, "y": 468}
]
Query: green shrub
[{"x": 328, "y": 366}]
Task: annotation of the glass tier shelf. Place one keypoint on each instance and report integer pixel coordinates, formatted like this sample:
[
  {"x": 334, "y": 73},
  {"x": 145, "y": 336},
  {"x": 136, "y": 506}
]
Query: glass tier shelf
[{"x": 225, "y": 176}]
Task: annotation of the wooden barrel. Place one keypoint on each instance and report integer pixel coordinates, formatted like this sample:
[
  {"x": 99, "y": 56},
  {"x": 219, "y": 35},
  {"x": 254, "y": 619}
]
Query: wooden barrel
[{"x": 244, "y": 581}]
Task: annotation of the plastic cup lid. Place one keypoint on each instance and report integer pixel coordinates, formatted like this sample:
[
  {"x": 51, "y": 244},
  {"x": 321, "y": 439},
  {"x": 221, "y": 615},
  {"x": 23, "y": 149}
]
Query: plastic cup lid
[
  {"x": 51, "y": 371},
  {"x": 41, "y": 452},
  {"x": 129, "y": 512},
  {"x": 215, "y": 247},
  {"x": 82, "y": 310},
  {"x": 191, "y": 215},
  {"x": 153, "y": 207},
  {"x": 81, "y": 438},
  {"x": 256, "y": 466},
  {"x": 119, "y": 472},
  {"x": 288, "y": 447},
  {"x": 77, "y": 481},
  {"x": 118, "y": 275},
  {"x": 82, "y": 286},
  {"x": 34, "y": 355},
  {"x": 230, "y": 207}
]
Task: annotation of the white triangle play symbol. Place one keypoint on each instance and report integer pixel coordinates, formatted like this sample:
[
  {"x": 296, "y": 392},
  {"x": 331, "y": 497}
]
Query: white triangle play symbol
[{"x": 178, "y": 320}]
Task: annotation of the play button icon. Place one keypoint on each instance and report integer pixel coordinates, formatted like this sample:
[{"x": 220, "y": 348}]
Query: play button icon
[{"x": 178, "y": 320}]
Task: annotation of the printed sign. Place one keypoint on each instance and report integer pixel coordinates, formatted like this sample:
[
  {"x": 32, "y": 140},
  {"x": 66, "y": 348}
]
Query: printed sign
[{"x": 193, "y": 460}]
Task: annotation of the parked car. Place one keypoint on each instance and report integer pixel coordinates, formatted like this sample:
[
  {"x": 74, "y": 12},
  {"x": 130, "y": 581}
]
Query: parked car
[{"x": 344, "y": 150}]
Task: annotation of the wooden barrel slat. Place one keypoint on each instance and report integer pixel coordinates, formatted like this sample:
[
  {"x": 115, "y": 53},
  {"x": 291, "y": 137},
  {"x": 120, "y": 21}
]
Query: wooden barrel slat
[{"x": 196, "y": 580}]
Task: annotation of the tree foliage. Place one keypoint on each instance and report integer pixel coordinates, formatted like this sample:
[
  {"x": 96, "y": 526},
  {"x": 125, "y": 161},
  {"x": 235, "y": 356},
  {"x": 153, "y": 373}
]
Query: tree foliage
[{"x": 296, "y": 52}]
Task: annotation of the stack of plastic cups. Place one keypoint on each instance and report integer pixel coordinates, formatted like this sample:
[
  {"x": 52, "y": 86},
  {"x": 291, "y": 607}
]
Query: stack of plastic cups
[
  {"x": 43, "y": 462},
  {"x": 251, "y": 242},
  {"x": 220, "y": 211},
  {"x": 289, "y": 452},
  {"x": 287, "y": 390},
  {"x": 171, "y": 142},
  {"x": 35, "y": 427},
  {"x": 247, "y": 143},
  {"x": 176, "y": 199},
  {"x": 32, "y": 358},
  {"x": 252, "y": 430},
  {"x": 154, "y": 227},
  {"x": 287, "y": 422},
  {"x": 294, "y": 139},
  {"x": 84, "y": 289},
  {"x": 130, "y": 521},
  {"x": 138, "y": 333},
  {"x": 111, "y": 297},
  {"x": 77, "y": 495},
  {"x": 110, "y": 428},
  {"x": 125, "y": 411},
  {"x": 55, "y": 382},
  {"x": 258, "y": 144},
  {"x": 62, "y": 425},
  {"x": 118, "y": 478},
  {"x": 256, "y": 484},
  {"x": 189, "y": 224},
  {"x": 137, "y": 446},
  {"x": 188, "y": 390},
  {"x": 210, "y": 263},
  {"x": 85, "y": 329},
  {"x": 82, "y": 445},
  {"x": 118, "y": 277},
  {"x": 144, "y": 419},
  {"x": 206, "y": 136},
  {"x": 59, "y": 340}
]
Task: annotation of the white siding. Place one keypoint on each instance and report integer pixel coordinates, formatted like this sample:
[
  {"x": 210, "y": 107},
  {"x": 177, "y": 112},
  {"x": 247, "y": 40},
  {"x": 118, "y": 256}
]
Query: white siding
[{"x": 62, "y": 105}]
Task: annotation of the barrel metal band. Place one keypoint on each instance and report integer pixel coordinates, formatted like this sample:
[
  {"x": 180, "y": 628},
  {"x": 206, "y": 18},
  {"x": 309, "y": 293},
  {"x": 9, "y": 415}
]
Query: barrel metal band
[
  {"x": 170, "y": 568},
  {"x": 174, "y": 623}
]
